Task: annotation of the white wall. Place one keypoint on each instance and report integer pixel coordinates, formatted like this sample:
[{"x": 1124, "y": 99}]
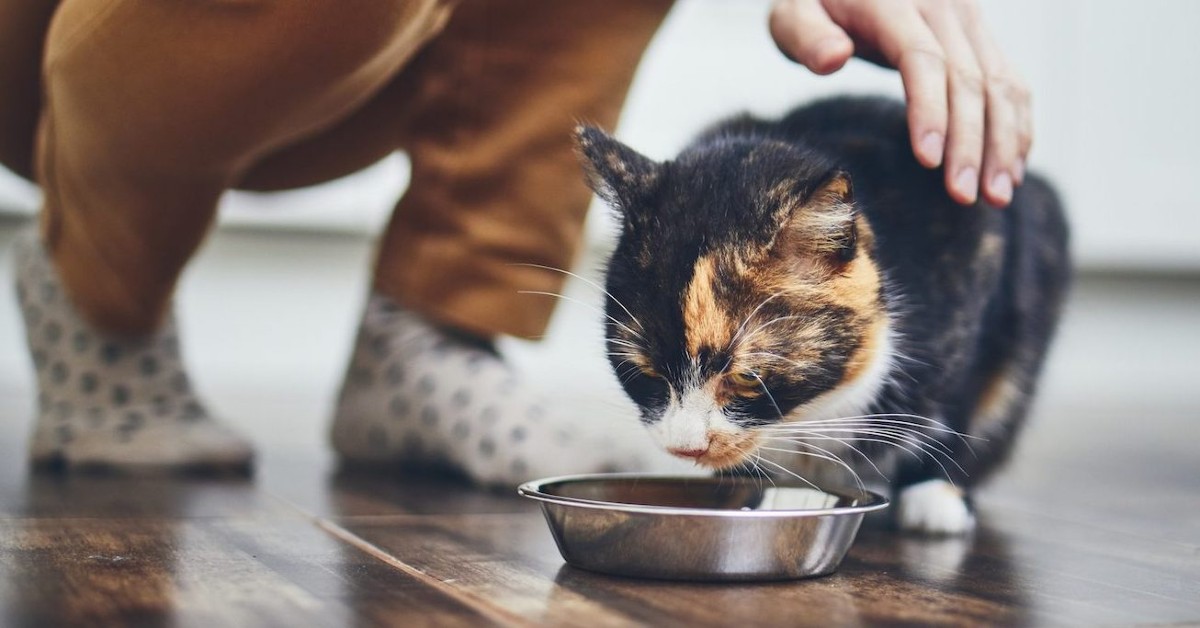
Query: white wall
[{"x": 1115, "y": 84}]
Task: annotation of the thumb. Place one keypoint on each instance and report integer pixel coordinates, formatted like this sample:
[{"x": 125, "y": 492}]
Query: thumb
[{"x": 805, "y": 33}]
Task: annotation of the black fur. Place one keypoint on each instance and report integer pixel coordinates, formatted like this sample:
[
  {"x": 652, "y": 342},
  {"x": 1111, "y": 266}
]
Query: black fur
[{"x": 963, "y": 317}]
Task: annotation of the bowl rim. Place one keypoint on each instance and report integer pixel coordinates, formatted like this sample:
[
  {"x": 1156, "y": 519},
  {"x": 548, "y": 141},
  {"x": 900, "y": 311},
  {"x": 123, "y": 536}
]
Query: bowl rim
[{"x": 533, "y": 490}]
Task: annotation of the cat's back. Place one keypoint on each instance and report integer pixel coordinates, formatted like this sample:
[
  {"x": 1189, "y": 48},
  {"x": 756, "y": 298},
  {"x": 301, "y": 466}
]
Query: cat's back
[
  {"x": 919, "y": 227},
  {"x": 830, "y": 121},
  {"x": 869, "y": 135}
]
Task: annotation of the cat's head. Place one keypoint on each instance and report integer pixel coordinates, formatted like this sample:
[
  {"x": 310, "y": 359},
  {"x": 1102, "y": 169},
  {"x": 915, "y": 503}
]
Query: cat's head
[{"x": 743, "y": 292}]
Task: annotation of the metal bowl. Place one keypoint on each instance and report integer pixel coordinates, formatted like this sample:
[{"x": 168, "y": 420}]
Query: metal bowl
[{"x": 700, "y": 528}]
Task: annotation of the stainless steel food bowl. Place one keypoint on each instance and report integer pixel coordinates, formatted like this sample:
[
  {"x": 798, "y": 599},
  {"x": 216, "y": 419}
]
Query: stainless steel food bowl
[{"x": 700, "y": 528}]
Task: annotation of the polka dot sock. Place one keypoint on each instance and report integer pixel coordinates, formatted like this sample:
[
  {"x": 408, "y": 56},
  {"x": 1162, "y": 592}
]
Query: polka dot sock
[
  {"x": 417, "y": 394},
  {"x": 110, "y": 402}
]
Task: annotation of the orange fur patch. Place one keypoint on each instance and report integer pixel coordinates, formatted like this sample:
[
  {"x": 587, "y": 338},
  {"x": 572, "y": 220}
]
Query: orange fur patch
[
  {"x": 706, "y": 323},
  {"x": 728, "y": 449},
  {"x": 991, "y": 246},
  {"x": 1002, "y": 390},
  {"x": 857, "y": 286},
  {"x": 864, "y": 355},
  {"x": 630, "y": 355},
  {"x": 837, "y": 189}
]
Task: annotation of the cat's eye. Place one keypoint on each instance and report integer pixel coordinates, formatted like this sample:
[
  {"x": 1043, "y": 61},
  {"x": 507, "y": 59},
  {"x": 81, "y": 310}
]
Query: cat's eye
[{"x": 743, "y": 379}]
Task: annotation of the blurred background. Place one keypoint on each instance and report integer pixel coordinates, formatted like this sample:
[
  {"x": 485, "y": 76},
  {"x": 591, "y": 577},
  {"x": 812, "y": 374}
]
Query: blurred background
[{"x": 1115, "y": 91}]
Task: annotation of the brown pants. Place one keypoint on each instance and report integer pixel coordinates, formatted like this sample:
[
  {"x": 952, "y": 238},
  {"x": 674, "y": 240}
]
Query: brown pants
[{"x": 147, "y": 111}]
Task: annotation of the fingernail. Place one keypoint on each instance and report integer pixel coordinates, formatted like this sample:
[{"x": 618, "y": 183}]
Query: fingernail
[
  {"x": 932, "y": 144},
  {"x": 967, "y": 182},
  {"x": 1001, "y": 187}
]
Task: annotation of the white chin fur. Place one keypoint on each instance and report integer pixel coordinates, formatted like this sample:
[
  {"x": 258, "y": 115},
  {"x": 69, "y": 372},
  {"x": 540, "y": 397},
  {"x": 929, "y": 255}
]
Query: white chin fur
[{"x": 934, "y": 507}]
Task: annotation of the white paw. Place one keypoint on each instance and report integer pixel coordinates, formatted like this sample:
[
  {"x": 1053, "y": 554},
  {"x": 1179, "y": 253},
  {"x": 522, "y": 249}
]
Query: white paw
[{"x": 934, "y": 507}]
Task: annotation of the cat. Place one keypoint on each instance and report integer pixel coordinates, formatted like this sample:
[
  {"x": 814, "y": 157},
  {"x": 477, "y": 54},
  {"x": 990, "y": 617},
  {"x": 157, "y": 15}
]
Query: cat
[{"x": 800, "y": 295}]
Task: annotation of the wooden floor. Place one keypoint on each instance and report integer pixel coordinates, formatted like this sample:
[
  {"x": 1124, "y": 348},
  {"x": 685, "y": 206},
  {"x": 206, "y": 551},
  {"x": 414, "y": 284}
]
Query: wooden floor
[{"x": 1097, "y": 521}]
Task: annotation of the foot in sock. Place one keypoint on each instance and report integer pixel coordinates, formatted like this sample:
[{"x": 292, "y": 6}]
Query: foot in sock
[
  {"x": 111, "y": 402},
  {"x": 417, "y": 394}
]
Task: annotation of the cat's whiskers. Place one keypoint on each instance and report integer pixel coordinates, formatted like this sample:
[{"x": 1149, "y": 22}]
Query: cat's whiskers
[
  {"x": 625, "y": 369},
  {"x": 628, "y": 373},
  {"x": 907, "y": 432},
  {"x": 790, "y": 472},
  {"x": 591, "y": 283},
  {"x": 771, "y": 397},
  {"x": 822, "y": 454},
  {"x": 751, "y": 467},
  {"x": 625, "y": 357},
  {"x": 620, "y": 342},
  {"x": 908, "y": 357},
  {"x": 853, "y": 427},
  {"x": 902, "y": 359},
  {"x": 773, "y": 321},
  {"x": 894, "y": 418},
  {"x": 757, "y": 462},
  {"x": 836, "y": 458},
  {"x": 932, "y": 446},
  {"x": 588, "y": 305},
  {"x": 847, "y": 443},
  {"x": 886, "y": 438},
  {"x": 929, "y": 423},
  {"x": 891, "y": 436},
  {"x": 799, "y": 366},
  {"x": 737, "y": 335}
]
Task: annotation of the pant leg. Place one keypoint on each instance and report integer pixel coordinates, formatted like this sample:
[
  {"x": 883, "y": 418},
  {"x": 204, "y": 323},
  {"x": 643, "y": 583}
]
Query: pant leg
[
  {"x": 489, "y": 109},
  {"x": 153, "y": 109},
  {"x": 23, "y": 25}
]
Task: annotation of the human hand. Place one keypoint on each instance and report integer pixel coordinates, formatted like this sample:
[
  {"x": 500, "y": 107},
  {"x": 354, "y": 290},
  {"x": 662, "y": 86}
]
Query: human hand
[{"x": 966, "y": 107}]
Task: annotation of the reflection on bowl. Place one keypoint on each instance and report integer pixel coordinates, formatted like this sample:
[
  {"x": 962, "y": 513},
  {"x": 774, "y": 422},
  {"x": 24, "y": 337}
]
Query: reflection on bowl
[{"x": 697, "y": 528}]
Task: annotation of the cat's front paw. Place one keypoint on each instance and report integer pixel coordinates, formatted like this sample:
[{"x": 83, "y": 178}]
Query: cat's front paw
[{"x": 934, "y": 507}]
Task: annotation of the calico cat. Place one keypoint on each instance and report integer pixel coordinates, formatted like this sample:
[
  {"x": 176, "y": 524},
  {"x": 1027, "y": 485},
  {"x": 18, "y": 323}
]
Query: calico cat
[{"x": 800, "y": 295}]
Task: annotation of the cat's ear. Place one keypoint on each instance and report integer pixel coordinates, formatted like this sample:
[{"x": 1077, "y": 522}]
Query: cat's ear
[
  {"x": 617, "y": 173},
  {"x": 821, "y": 223}
]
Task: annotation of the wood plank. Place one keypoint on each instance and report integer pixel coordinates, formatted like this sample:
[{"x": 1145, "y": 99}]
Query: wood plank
[
  {"x": 50, "y": 495},
  {"x": 332, "y": 491},
  {"x": 1049, "y": 581},
  {"x": 1122, "y": 468},
  {"x": 995, "y": 577},
  {"x": 206, "y": 572}
]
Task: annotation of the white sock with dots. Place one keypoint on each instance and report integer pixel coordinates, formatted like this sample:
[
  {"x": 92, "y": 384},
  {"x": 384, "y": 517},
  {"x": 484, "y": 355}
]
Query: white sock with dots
[
  {"x": 419, "y": 395},
  {"x": 110, "y": 402}
]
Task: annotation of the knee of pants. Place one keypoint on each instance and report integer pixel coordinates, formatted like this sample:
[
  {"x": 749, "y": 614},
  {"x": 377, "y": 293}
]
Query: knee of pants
[{"x": 208, "y": 86}]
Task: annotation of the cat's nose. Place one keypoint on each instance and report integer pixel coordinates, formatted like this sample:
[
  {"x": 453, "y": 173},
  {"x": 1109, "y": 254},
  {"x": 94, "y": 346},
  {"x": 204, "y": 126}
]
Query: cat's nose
[{"x": 688, "y": 453}]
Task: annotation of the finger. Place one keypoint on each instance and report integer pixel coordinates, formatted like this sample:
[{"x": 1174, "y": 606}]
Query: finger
[
  {"x": 965, "y": 87},
  {"x": 1001, "y": 149},
  {"x": 1025, "y": 136},
  {"x": 1007, "y": 103},
  {"x": 805, "y": 33},
  {"x": 1018, "y": 94},
  {"x": 905, "y": 42}
]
